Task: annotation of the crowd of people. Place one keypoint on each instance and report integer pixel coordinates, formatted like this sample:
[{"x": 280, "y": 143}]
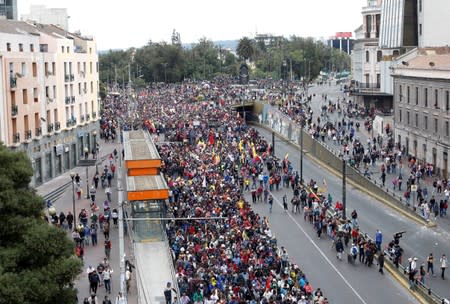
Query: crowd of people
[
  {"x": 211, "y": 157},
  {"x": 228, "y": 254}
]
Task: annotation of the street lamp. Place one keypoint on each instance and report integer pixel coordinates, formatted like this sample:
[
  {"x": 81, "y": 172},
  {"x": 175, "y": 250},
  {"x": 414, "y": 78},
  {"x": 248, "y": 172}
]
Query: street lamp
[
  {"x": 94, "y": 133},
  {"x": 344, "y": 189},
  {"x": 72, "y": 175},
  {"x": 302, "y": 125},
  {"x": 86, "y": 153}
]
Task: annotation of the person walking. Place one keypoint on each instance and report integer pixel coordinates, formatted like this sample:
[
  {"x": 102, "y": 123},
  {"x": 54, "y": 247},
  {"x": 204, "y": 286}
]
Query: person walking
[
  {"x": 106, "y": 300},
  {"x": 108, "y": 248},
  {"x": 168, "y": 293},
  {"x": 69, "y": 219},
  {"x": 381, "y": 262},
  {"x": 94, "y": 279},
  {"x": 444, "y": 265},
  {"x": 120, "y": 299},
  {"x": 378, "y": 239},
  {"x": 270, "y": 203},
  {"x": 107, "y": 279},
  {"x": 430, "y": 264}
]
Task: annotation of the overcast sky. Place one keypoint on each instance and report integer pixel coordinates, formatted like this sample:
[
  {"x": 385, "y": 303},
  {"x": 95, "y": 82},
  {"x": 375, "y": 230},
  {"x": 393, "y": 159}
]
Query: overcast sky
[{"x": 132, "y": 23}]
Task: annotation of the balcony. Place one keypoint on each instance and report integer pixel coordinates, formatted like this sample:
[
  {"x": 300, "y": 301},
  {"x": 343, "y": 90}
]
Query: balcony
[
  {"x": 12, "y": 82},
  {"x": 72, "y": 77},
  {"x": 81, "y": 118},
  {"x": 50, "y": 128},
  {"x": 16, "y": 138},
  {"x": 94, "y": 115},
  {"x": 14, "y": 110},
  {"x": 38, "y": 131},
  {"x": 28, "y": 134},
  {"x": 67, "y": 77},
  {"x": 71, "y": 122},
  {"x": 57, "y": 126},
  {"x": 67, "y": 100},
  {"x": 88, "y": 117},
  {"x": 72, "y": 99}
]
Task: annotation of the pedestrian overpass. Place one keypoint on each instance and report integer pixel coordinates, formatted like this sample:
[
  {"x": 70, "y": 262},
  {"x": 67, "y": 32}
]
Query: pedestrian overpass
[{"x": 147, "y": 191}]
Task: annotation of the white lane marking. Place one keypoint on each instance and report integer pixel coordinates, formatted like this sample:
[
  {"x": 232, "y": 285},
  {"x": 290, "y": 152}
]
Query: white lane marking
[{"x": 321, "y": 252}]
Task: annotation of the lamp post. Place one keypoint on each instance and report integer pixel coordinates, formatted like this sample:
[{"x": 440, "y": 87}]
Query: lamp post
[
  {"x": 86, "y": 152},
  {"x": 301, "y": 150},
  {"x": 94, "y": 133},
  {"x": 344, "y": 189},
  {"x": 72, "y": 175}
]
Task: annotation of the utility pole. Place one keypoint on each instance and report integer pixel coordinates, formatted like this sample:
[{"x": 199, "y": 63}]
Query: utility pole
[
  {"x": 290, "y": 62},
  {"x": 344, "y": 190},
  {"x": 301, "y": 151},
  {"x": 273, "y": 143}
]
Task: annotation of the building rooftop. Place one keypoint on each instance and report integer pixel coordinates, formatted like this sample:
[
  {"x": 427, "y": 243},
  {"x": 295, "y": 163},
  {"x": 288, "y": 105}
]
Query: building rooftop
[
  {"x": 430, "y": 59},
  {"x": 8, "y": 26}
]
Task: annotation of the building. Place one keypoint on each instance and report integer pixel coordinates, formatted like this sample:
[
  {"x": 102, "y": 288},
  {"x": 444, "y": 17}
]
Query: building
[
  {"x": 43, "y": 15},
  {"x": 366, "y": 58},
  {"x": 422, "y": 106},
  {"x": 49, "y": 95},
  {"x": 433, "y": 22},
  {"x": 342, "y": 41},
  {"x": 8, "y": 9}
]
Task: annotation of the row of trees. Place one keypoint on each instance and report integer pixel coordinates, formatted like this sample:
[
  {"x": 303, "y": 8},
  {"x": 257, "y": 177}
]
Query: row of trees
[{"x": 283, "y": 58}]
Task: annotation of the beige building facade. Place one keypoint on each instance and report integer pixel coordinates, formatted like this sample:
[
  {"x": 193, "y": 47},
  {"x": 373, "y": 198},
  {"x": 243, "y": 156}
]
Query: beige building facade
[{"x": 49, "y": 95}]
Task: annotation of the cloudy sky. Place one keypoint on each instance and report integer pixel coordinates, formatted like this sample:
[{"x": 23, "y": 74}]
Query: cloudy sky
[{"x": 132, "y": 23}]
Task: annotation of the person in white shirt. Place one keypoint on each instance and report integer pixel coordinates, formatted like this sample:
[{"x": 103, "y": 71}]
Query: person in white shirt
[
  {"x": 444, "y": 265},
  {"x": 107, "y": 279},
  {"x": 120, "y": 299}
]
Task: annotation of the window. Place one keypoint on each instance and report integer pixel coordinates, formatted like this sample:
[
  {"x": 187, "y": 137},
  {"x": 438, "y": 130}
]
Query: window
[
  {"x": 420, "y": 29},
  {"x": 8, "y": 47},
  {"x": 34, "y": 69},
  {"x": 367, "y": 56},
  {"x": 436, "y": 126},
  {"x": 407, "y": 94},
  {"x": 407, "y": 118},
  {"x": 62, "y": 49},
  {"x": 436, "y": 99},
  {"x": 43, "y": 48},
  {"x": 68, "y": 50},
  {"x": 31, "y": 47},
  {"x": 417, "y": 96},
  {"x": 420, "y": 5},
  {"x": 378, "y": 81},
  {"x": 379, "y": 56},
  {"x": 399, "y": 115},
  {"x": 425, "y": 99},
  {"x": 417, "y": 120},
  {"x": 20, "y": 47},
  {"x": 447, "y": 101},
  {"x": 400, "y": 93},
  {"x": 35, "y": 95},
  {"x": 25, "y": 96},
  {"x": 446, "y": 128},
  {"x": 23, "y": 69},
  {"x": 425, "y": 122}
]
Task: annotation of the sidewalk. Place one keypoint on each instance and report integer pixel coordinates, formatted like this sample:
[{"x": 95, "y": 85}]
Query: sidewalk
[{"x": 93, "y": 255}]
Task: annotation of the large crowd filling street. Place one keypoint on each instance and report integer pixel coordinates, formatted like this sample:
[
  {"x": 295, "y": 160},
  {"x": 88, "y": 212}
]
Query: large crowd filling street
[{"x": 223, "y": 251}]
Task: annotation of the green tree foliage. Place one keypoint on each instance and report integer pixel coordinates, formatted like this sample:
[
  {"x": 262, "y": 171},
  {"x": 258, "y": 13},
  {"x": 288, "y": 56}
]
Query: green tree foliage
[
  {"x": 245, "y": 48},
  {"x": 157, "y": 62},
  {"x": 37, "y": 261}
]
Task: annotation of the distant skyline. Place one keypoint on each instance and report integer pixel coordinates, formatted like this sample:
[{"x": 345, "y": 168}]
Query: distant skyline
[{"x": 133, "y": 23}]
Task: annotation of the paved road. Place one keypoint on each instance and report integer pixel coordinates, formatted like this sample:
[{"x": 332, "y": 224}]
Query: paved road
[
  {"x": 93, "y": 254},
  {"x": 418, "y": 241}
]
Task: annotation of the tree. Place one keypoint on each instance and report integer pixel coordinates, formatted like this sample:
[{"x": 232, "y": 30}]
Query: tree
[
  {"x": 37, "y": 261},
  {"x": 245, "y": 48}
]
